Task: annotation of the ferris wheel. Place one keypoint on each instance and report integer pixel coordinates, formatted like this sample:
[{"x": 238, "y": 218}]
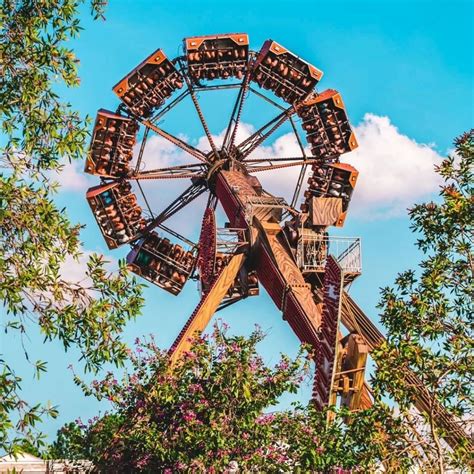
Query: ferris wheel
[{"x": 282, "y": 245}]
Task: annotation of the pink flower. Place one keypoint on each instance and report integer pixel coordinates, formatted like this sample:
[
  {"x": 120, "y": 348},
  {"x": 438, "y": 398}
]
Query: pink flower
[
  {"x": 142, "y": 462},
  {"x": 224, "y": 325},
  {"x": 265, "y": 419},
  {"x": 282, "y": 365},
  {"x": 254, "y": 365},
  {"x": 80, "y": 423},
  {"x": 307, "y": 430},
  {"x": 189, "y": 415},
  {"x": 235, "y": 347},
  {"x": 195, "y": 387}
]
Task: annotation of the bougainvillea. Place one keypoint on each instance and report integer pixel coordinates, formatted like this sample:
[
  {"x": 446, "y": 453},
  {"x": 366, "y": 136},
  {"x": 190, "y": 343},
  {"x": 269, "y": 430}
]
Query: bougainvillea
[{"x": 213, "y": 412}]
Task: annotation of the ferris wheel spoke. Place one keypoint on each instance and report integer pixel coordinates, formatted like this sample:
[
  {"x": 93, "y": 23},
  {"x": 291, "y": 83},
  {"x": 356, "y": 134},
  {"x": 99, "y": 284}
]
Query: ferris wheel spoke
[
  {"x": 256, "y": 139},
  {"x": 231, "y": 131},
  {"x": 161, "y": 175},
  {"x": 275, "y": 159},
  {"x": 299, "y": 184},
  {"x": 187, "y": 196},
  {"x": 212, "y": 201},
  {"x": 176, "y": 141},
  {"x": 177, "y": 235},
  {"x": 202, "y": 119},
  {"x": 216, "y": 87},
  {"x": 142, "y": 149},
  {"x": 298, "y": 138},
  {"x": 265, "y": 98},
  {"x": 169, "y": 107},
  {"x": 171, "y": 172},
  {"x": 255, "y": 168}
]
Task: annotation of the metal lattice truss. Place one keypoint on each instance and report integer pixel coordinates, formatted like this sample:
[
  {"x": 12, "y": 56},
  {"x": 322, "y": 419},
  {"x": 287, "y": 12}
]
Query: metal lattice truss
[{"x": 266, "y": 240}]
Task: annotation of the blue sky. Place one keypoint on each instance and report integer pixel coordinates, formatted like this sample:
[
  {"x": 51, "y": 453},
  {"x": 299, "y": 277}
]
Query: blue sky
[{"x": 406, "y": 63}]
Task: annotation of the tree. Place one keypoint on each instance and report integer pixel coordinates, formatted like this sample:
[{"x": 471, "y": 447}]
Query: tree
[
  {"x": 38, "y": 132},
  {"x": 211, "y": 412},
  {"x": 78, "y": 441},
  {"x": 428, "y": 314}
]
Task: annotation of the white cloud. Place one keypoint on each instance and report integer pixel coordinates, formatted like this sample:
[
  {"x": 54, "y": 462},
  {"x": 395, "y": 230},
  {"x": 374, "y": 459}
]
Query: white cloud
[
  {"x": 395, "y": 170},
  {"x": 160, "y": 153},
  {"x": 243, "y": 131},
  {"x": 72, "y": 176},
  {"x": 74, "y": 270}
]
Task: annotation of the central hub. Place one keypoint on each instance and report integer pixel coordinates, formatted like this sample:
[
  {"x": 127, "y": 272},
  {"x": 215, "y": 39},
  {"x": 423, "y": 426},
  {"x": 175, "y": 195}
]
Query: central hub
[{"x": 224, "y": 162}]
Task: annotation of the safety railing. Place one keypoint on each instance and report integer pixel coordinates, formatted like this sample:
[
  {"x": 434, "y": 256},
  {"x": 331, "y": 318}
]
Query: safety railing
[
  {"x": 313, "y": 249},
  {"x": 229, "y": 240}
]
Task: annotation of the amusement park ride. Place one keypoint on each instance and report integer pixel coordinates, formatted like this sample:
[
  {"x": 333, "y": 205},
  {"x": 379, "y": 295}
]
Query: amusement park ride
[{"x": 266, "y": 240}]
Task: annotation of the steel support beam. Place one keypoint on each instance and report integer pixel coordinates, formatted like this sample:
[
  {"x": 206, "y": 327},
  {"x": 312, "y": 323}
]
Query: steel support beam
[
  {"x": 176, "y": 141},
  {"x": 245, "y": 148}
]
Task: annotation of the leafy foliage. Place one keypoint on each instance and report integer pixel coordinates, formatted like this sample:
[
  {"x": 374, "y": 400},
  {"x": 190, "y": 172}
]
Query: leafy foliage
[
  {"x": 212, "y": 412},
  {"x": 77, "y": 441},
  {"x": 428, "y": 314},
  {"x": 38, "y": 130},
  {"x": 34, "y": 58}
]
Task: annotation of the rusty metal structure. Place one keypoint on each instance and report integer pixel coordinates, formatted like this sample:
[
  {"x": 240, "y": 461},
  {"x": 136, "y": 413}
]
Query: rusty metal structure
[{"x": 266, "y": 241}]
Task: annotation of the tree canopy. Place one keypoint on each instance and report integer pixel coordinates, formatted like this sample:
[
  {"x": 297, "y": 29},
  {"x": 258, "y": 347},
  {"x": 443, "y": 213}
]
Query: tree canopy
[
  {"x": 428, "y": 313},
  {"x": 39, "y": 131}
]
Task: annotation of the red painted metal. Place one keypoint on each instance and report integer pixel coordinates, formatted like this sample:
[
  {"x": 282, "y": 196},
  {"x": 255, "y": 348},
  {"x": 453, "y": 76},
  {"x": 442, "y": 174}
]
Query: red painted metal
[
  {"x": 326, "y": 351},
  {"x": 207, "y": 247},
  {"x": 231, "y": 204}
]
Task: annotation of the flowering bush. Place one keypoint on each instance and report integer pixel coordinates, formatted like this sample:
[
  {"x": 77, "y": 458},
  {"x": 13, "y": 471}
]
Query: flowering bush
[{"x": 211, "y": 413}]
